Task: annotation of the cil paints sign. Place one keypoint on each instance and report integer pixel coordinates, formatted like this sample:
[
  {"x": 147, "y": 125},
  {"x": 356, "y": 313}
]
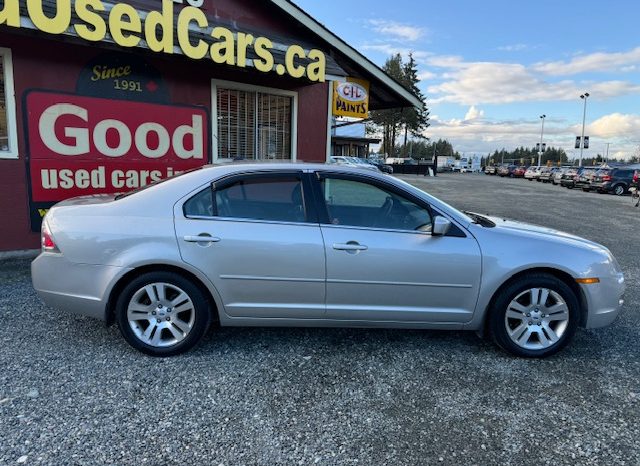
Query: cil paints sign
[
  {"x": 351, "y": 98},
  {"x": 81, "y": 145}
]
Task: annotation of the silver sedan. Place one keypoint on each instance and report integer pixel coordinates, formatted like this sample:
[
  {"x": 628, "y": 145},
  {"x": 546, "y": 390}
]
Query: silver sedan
[{"x": 316, "y": 246}]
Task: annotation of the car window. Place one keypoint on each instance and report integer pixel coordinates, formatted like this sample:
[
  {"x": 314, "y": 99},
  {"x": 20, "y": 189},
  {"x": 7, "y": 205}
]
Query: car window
[
  {"x": 361, "y": 204},
  {"x": 270, "y": 198},
  {"x": 200, "y": 205}
]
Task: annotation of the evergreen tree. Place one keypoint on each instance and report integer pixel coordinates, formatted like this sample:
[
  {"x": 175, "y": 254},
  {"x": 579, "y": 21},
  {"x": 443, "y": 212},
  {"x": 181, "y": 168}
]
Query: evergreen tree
[{"x": 410, "y": 120}]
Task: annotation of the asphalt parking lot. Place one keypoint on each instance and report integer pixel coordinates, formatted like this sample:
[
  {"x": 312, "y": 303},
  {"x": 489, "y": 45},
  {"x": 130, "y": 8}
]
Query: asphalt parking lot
[{"x": 73, "y": 392}]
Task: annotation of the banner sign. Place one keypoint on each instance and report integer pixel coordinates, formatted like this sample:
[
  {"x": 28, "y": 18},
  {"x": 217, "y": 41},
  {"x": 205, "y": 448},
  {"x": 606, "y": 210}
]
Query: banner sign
[
  {"x": 185, "y": 27},
  {"x": 351, "y": 98},
  {"x": 81, "y": 145}
]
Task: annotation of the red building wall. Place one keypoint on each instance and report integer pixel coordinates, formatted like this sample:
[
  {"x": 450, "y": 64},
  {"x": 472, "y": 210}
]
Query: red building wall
[{"x": 53, "y": 65}]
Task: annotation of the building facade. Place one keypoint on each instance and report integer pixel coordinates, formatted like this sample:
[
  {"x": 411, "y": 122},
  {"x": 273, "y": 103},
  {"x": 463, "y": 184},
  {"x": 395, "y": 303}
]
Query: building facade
[{"x": 103, "y": 97}]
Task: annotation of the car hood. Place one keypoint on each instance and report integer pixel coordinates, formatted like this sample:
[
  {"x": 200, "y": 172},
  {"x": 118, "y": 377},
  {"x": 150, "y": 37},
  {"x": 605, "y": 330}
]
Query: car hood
[{"x": 529, "y": 230}]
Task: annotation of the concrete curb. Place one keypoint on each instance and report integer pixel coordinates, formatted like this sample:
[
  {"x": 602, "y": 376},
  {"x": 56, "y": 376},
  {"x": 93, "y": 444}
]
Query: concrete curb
[{"x": 21, "y": 254}]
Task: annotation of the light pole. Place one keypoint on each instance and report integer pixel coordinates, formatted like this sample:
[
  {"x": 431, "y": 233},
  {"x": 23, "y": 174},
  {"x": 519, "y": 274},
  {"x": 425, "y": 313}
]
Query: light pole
[
  {"x": 584, "y": 116},
  {"x": 542, "y": 117},
  {"x": 606, "y": 157}
]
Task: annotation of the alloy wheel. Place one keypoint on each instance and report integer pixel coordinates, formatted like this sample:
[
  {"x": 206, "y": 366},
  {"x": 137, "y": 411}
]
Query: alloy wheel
[
  {"x": 536, "y": 318},
  {"x": 161, "y": 314}
]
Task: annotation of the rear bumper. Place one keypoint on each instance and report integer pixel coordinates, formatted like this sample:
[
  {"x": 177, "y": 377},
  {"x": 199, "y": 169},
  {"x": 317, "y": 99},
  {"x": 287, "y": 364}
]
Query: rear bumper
[
  {"x": 601, "y": 186},
  {"x": 77, "y": 288},
  {"x": 604, "y": 300}
]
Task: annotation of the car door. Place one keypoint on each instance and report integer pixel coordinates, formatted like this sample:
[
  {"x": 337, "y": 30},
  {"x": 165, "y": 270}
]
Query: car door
[
  {"x": 383, "y": 264},
  {"x": 257, "y": 238}
]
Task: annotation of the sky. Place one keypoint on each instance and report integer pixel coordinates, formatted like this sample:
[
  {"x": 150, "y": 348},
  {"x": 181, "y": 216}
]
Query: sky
[{"x": 491, "y": 68}]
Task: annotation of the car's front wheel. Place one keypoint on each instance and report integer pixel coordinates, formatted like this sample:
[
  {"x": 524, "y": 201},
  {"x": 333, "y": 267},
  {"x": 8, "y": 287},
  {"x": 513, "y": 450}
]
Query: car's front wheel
[
  {"x": 162, "y": 313},
  {"x": 619, "y": 190},
  {"x": 535, "y": 316}
]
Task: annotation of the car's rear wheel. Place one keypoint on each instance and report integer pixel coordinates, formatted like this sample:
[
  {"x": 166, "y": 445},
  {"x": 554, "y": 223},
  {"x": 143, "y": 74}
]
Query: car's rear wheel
[
  {"x": 535, "y": 316},
  {"x": 162, "y": 313},
  {"x": 619, "y": 190}
]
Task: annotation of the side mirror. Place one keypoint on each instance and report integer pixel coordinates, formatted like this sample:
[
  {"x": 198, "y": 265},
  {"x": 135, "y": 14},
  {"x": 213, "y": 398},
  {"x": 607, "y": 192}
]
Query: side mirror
[{"x": 441, "y": 226}]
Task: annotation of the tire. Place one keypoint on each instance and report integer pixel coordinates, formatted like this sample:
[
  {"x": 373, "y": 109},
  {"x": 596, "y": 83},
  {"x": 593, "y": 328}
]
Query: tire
[
  {"x": 524, "y": 332},
  {"x": 619, "y": 190},
  {"x": 586, "y": 190},
  {"x": 152, "y": 297}
]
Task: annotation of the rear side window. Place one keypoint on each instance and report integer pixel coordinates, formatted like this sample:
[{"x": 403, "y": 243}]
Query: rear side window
[{"x": 270, "y": 198}]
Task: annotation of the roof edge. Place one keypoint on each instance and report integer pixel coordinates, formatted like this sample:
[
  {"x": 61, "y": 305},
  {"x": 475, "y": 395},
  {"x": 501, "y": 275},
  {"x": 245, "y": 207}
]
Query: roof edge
[{"x": 317, "y": 28}]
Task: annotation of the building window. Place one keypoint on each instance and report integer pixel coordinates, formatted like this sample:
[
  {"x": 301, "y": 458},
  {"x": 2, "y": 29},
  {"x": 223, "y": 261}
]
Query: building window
[
  {"x": 254, "y": 123},
  {"x": 8, "y": 136}
]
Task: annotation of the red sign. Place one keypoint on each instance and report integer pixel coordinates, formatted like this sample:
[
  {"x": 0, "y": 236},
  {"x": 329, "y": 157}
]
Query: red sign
[{"x": 86, "y": 145}]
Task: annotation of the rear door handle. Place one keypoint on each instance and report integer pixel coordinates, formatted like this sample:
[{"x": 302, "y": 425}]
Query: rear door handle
[
  {"x": 202, "y": 238},
  {"x": 350, "y": 246}
]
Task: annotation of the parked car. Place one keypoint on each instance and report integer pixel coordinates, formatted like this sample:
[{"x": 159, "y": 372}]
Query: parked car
[
  {"x": 613, "y": 180},
  {"x": 490, "y": 170},
  {"x": 547, "y": 174},
  {"x": 532, "y": 173},
  {"x": 518, "y": 172},
  {"x": 507, "y": 170},
  {"x": 315, "y": 246},
  {"x": 379, "y": 165},
  {"x": 583, "y": 180},
  {"x": 351, "y": 162},
  {"x": 557, "y": 177},
  {"x": 568, "y": 179}
]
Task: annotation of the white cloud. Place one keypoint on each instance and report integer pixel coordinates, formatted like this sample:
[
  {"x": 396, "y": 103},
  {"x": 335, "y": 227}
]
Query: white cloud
[
  {"x": 397, "y": 31},
  {"x": 513, "y": 47},
  {"x": 392, "y": 49},
  {"x": 483, "y": 135},
  {"x": 473, "y": 113},
  {"x": 593, "y": 62},
  {"x": 425, "y": 75},
  {"x": 616, "y": 125},
  {"x": 503, "y": 83}
]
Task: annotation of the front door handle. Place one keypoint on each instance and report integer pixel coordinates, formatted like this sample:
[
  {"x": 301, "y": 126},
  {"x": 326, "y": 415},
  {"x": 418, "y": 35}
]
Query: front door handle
[
  {"x": 350, "y": 246},
  {"x": 201, "y": 238}
]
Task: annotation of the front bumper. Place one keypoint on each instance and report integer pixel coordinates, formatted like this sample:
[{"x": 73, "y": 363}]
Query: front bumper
[
  {"x": 604, "y": 300},
  {"x": 77, "y": 288},
  {"x": 605, "y": 186}
]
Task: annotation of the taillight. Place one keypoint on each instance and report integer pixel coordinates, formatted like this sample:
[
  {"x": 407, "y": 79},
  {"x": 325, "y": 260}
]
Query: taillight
[
  {"x": 576, "y": 178},
  {"x": 48, "y": 244},
  {"x": 606, "y": 178}
]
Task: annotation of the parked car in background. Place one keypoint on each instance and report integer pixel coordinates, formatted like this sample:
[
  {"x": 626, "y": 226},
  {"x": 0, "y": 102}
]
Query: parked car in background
[
  {"x": 583, "y": 180},
  {"x": 518, "y": 172},
  {"x": 532, "y": 173},
  {"x": 315, "y": 245},
  {"x": 557, "y": 177},
  {"x": 490, "y": 170},
  {"x": 613, "y": 180},
  {"x": 507, "y": 170},
  {"x": 379, "y": 165},
  {"x": 547, "y": 174},
  {"x": 568, "y": 178},
  {"x": 351, "y": 162}
]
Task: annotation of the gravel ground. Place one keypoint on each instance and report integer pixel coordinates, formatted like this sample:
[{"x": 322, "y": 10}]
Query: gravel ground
[{"x": 73, "y": 392}]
